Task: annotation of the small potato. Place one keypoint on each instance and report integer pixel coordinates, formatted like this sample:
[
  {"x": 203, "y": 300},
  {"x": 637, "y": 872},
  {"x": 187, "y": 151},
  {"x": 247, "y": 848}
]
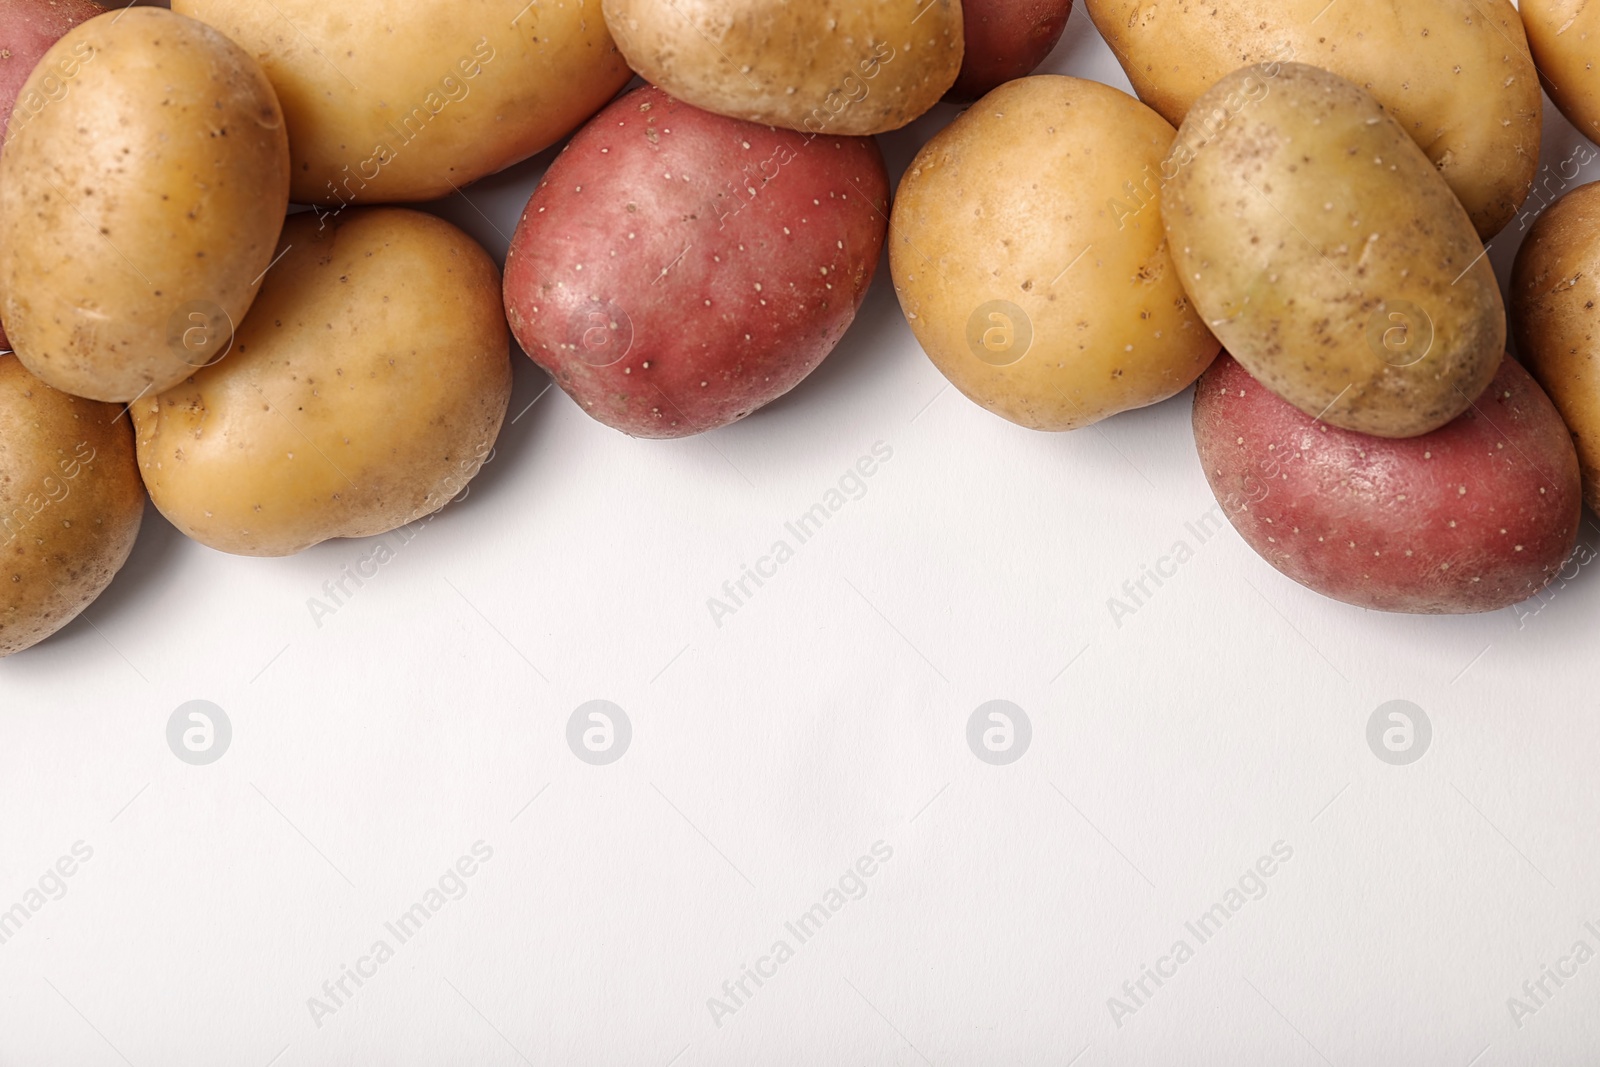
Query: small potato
[
  {"x": 1456, "y": 74},
  {"x": 1032, "y": 278},
  {"x": 1006, "y": 40},
  {"x": 676, "y": 270},
  {"x": 1564, "y": 36},
  {"x": 1555, "y": 315},
  {"x": 1328, "y": 255},
  {"x": 142, "y": 189},
  {"x": 70, "y": 504},
  {"x": 393, "y": 101},
  {"x": 363, "y": 392},
  {"x": 840, "y": 67},
  {"x": 1476, "y": 516}
]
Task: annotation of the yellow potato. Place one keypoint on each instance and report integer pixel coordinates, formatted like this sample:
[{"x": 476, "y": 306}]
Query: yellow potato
[
  {"x": 1328, "y": 255},
  {"x": 364, "y": 390},
  {"x": 1456, "y": 75},
  {"x": 841, "y": 67},
  {"x": 391, "y": 101},
  {"x": 1564, "y": 36},
  {"x": 1031, "y": 276},
  {"x": 139, "y": 205},
  {"x": 70, "y": 504}
]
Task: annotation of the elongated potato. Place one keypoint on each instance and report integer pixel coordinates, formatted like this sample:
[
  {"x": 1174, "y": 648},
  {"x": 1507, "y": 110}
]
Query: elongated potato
[
  {"x": 1324, "y": 251},
  {"x": 1564, "y": 36},
  {"x": 403, "y": 100},
  {"x": 1456, "y": 75},
  {"x": 140, "y": 205}
]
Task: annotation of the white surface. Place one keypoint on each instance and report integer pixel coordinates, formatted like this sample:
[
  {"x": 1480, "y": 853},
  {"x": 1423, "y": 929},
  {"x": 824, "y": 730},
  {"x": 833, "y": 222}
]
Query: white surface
[{"x": 768, "y": 754}]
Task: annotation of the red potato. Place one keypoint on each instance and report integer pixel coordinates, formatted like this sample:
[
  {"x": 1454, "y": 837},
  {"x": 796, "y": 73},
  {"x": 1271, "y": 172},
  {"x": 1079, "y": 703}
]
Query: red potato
[
  {"x": 1478, "y": 515},
  {"x": 1006, "y": 40},
  {"x": 676, "y": 270}
]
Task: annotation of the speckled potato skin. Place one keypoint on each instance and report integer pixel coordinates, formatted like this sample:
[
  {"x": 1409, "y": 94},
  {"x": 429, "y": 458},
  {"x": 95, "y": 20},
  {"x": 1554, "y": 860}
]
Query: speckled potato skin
[
  {"x": 1564, "y": 36},
  {"x": 1476, "y": 516},
  {"x": 1005, "y": 40},
  {"x": 1456, "y": 75},
  {"x": 1555, "y": 317},
  {"x": 1320, "y": 245},
  {"x": 676, "y": 270},
  {"x": 364, "y": 391},
  {"x": 1022, "y": 199},
  {"x": 394, "y": 101},
  {"x": 151, "y": 188},
  {"x": 836, "y": 67},
  {"x": 70, "y": 504}
]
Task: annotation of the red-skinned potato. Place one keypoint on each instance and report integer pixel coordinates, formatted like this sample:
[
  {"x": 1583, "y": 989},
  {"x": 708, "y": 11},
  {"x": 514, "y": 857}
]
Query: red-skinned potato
[
  {"x": 1475, "y": 516},
  {"x": 676, "y": 270},
  {"x": 1005, "y": 40}
]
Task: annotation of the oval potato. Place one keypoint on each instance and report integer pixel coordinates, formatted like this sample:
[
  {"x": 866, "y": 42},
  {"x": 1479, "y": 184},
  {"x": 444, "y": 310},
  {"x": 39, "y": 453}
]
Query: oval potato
[
  {"x": 1564, "y": 36},
  {"x": 1005, "y": 40},
  {"x": 1328, "y": 256}
]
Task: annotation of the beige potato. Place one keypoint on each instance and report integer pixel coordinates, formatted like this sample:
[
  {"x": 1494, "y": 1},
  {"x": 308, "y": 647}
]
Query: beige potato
[
  {"x": 393, "y": 101},
  {"x": 364, "y": 390},
  {"x": 139, "y": 204},
  {"x": 840, "y": 67},
  {"x": 1028, "y": 270},
  {"x": 1457, "y": 76},
  {"x": 1564, "y": 36},
  {"x": 1327, "y": 254},
  {"x": 1555, "y": 316},
  {"x": 70, "y": 504}
]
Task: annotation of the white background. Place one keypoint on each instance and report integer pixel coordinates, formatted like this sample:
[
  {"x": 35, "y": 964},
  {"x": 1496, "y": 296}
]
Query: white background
[{"x": 829, "y": 713}]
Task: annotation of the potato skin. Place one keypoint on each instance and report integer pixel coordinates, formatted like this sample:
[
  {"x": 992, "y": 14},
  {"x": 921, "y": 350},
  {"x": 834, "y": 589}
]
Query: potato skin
[
  {"x": 840, "y": 67},
  {"x": 1555, "y": 312},
  {"x": 70, "y": 504},
  {"x": 676, "y": 270},
  {"x": 1563, "y": 36},
  {"x": 1476, "y": 516},
  {"x": 149, "y": 191},
  {"x": 1329, "y": 257},
  {"x": 364, "y": 390},
  {"x": 392, "y": 101},
  {"x": 1458, "y": 77},
  {"x": 1005, "y": 40},
  {"x": 1010, "y": 209}
]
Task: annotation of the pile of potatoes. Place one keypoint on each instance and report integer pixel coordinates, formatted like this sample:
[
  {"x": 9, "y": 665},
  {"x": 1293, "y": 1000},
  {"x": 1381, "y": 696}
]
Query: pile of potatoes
[{"x": 214, "y": 299}]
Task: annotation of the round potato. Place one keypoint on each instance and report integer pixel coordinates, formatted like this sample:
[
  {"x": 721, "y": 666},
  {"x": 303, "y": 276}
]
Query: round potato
[
  {"x": 840, "y": 67},
  {"x": 1328, "y": 255},
  {"x": 1006, "y": 40},
  {"x": 1555, "y": 313},
  {"x": 364, "y": 390},
  {"x": 1032, "y": 272},
  {"x": 676, "y": 270},
  {"x": 70, "y": 504},
  {"x": 392, "y": 101},
  {"x": 1476, "y": 516},
  {"x": 1564, "y": 36},
  {"x": 1457, "y": 77},
  {"x": 139, "y": 204}
]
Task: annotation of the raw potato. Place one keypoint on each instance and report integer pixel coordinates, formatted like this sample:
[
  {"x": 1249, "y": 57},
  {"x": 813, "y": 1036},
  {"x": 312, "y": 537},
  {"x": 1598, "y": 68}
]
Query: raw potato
[
  {"x": 1457, "y": 75},
  {"x": 1006, "y": 40},
  {"x": 1564, "y": 36},
  {"x": 1029, "y": 275},
  {"x": 1327, "y": 254},
  {"x": 1476, "y": 516},
  {"x": 840, "y": 67},
  {"x": 363, "y": 392},
  {"x": 405, "y": 100},
  {"x": 70, "y": 504},
  {"x": 139, "y": 205},
  {"x": 676, "y": 270},
  {"x": 1555, "y": 314}
]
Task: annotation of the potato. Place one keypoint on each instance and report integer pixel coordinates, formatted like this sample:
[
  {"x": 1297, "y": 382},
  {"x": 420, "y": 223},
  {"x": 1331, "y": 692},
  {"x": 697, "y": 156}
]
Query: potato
[
  {"x": 1476, "y": 516},
  {"x": 70, "y": 504},
  {"x": 676, "y": 270},
  {"x": 1032, "y": 279},
  {"x": 405, "y": 100},
  {"x": 364, "y": 390},
  {"x": 1555, "y": 309},
  {"x": 1006, "y": 40},
  {"x": 841, "y": 67},
  {"x": 1457, "y": 77},
  {"x": 1563, "y": 36},
  {"x": 1332, "y": 260},
  {"x": 139, "y": 204}
]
